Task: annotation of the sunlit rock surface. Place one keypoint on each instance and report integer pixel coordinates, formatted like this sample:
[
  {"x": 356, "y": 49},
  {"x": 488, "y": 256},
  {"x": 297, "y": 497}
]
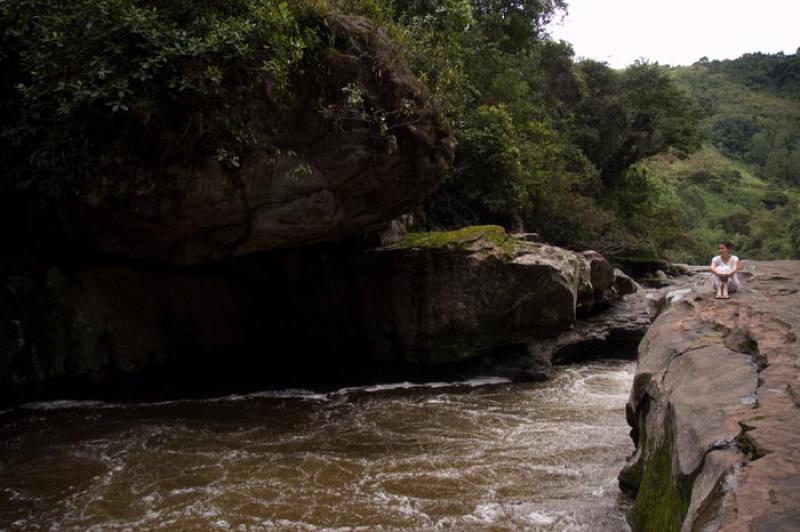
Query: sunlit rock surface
[{"x": 715, "y": 411}]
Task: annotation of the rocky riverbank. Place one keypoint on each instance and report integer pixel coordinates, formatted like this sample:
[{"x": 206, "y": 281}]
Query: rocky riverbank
[{"x": 715, "y": 409}]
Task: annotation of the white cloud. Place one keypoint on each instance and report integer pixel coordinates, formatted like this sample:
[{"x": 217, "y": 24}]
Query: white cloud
[{"x": 678, "y": 32}]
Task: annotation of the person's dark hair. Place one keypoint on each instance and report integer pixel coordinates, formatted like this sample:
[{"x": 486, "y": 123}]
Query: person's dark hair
[{"x": 727, "y": 243}]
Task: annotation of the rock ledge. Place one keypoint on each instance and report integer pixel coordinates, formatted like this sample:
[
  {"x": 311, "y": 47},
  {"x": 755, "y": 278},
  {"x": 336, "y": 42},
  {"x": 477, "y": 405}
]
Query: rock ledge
[{"x": 715, "y": 412}]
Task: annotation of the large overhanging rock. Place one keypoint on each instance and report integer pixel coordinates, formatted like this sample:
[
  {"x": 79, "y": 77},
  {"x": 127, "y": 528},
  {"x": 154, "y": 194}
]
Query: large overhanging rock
[
  {"x": 714, "y": 409},
  {"x": 312, "y": 177}
]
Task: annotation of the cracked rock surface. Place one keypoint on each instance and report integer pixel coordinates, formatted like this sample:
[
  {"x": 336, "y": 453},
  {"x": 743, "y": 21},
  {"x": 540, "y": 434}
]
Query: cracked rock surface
[{"x": 716, "y": 392}]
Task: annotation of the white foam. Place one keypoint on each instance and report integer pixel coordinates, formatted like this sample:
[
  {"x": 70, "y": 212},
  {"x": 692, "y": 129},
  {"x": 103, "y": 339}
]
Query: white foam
[
  {"x": 65, "y": 404},
  {"x": 270, "y": 394},
  {"x": 308, "y": 395},
  {"x": 541, "y": 519},
  {"x": 406, "y": 385},
  {"x": 487, "y": 513}
]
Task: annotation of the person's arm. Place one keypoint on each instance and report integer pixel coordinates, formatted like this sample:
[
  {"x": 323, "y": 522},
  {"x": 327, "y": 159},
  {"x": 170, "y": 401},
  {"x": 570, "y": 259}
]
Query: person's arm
[
  {"x": 714, "y": 268},
  {"x": 735, "y": 266},
  {"x": 716, "y": 272}
]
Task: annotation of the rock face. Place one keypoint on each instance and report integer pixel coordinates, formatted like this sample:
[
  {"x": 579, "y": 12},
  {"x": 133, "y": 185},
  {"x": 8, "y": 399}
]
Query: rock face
[
  {"x": 597, "y": 282},
  {"x": 431, "y": 298},
  {"x": 714, "y": 409},
  {"x": 613, "y": 333},
  {"x": 448, "y": 296},
  {"x": 613, "y": 317},
  {"x": 310, "y": 179},
  {"x": 84, "y": 327}
]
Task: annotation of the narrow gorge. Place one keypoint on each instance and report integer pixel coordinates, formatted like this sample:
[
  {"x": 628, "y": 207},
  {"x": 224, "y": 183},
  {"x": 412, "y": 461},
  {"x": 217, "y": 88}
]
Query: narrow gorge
[{"x": 299, "y": 295}]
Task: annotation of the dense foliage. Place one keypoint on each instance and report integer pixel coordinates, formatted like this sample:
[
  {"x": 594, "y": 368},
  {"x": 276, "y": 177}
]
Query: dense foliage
[
  {"x": 176, "y": 72},
  {"x": 745, "y": 184},
  {"x": 753, "y": 109},
  {"x": 545, "y": 143},
  {"x": 584, "y": 154}
]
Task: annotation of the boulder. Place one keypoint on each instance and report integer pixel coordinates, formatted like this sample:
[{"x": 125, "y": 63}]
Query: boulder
[
  {"x": 713, "y": 418},
  {"x": 308, "y": 179},
  {"x": 624, "y": 284},
  {"x": 428, "y": 299},
  {"x": 640, "y": 267},
  {"x": 440, "y": 297},
  {"x": 596, "y": 282},
  {"x": 611, "y": 333}
]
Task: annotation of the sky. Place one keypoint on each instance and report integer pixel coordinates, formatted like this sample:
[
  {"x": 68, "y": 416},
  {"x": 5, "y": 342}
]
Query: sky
[{"x": 678, "y": 32}]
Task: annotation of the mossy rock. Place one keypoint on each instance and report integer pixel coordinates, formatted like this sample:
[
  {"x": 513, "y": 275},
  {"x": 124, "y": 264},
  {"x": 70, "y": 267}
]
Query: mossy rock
[
  {"x": 464, "y": 238},
  {"x": 663, "y": 500}
]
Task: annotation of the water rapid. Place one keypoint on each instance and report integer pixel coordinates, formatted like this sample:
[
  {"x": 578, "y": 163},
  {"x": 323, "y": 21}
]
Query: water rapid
[{"x": 462, "y": 456}]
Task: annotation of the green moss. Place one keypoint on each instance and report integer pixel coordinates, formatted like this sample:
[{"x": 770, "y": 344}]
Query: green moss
[
  {"x": 745, "y": 445},
  {"x": 662, "y": 501},
  {"x": 460, "y": 238}
]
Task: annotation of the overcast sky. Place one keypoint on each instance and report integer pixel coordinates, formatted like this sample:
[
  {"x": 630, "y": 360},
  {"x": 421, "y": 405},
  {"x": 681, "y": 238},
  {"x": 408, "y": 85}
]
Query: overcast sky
[{"x": 678, "y": 32}]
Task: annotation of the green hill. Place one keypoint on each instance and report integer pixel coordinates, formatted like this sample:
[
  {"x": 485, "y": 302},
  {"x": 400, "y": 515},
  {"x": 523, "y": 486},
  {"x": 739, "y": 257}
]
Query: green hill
[{"x": 744, "y": 185}]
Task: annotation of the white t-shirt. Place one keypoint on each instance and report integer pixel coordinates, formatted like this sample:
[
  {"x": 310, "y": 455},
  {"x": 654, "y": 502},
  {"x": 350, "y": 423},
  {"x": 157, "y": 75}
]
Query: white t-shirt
[{"x": 724, "y": 267}]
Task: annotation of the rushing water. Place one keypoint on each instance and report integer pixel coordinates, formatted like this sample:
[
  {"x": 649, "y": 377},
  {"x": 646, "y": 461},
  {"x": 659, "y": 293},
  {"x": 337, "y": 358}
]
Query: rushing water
[{"x": 461, "y": 456}]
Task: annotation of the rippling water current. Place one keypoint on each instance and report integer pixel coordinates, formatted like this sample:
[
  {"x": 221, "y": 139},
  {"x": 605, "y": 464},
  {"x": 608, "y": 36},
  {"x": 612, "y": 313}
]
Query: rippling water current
[{"x": 477, "y": 455}]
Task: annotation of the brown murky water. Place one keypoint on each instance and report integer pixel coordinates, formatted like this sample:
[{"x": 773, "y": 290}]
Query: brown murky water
[{"x": 463, "y": 456}]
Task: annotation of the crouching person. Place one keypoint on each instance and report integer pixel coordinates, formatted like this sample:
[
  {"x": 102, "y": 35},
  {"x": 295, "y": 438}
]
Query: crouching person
[{"x": 723, "y": 271}]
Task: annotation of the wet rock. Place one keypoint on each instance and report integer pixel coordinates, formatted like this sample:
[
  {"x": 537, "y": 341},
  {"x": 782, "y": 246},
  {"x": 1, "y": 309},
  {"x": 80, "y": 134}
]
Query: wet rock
[
  {"x": 676, "y": 269},
  {"x": 90, "y": 324},
  {"x": 624, "y": 284},
  {"x": 612, "y": 333},
  {"x": 448, "y": 296},
  {"x": 711, "y": 410},
  {"x": 639, "y": 267},
  {"x": 656, "y": 303}
]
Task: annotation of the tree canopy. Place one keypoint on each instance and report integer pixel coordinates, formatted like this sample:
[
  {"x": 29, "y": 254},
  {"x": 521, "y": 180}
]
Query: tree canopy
[{"x": 538, "y": 131}]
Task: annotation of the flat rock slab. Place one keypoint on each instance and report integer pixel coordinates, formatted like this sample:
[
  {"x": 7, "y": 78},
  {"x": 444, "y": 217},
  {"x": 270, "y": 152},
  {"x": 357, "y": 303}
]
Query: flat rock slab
[{"x": 717, "y": 384}]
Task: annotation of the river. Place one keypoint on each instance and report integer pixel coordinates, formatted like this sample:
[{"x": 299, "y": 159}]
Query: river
[{"x": 475, "y": 455}]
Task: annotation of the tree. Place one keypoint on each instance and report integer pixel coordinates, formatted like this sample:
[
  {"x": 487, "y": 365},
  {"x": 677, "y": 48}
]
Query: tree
[
  {"x": 515, "y": 24},
  {"x": 488, "y": 182},
  {"x": 630, "y": 115},
  {"x": 180, "y": 72}
]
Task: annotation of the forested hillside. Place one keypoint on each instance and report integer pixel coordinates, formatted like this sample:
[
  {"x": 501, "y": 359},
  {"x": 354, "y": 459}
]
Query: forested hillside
[
  {"x": 744, "y": 184},
  {"x": 545, "y": 142}
]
